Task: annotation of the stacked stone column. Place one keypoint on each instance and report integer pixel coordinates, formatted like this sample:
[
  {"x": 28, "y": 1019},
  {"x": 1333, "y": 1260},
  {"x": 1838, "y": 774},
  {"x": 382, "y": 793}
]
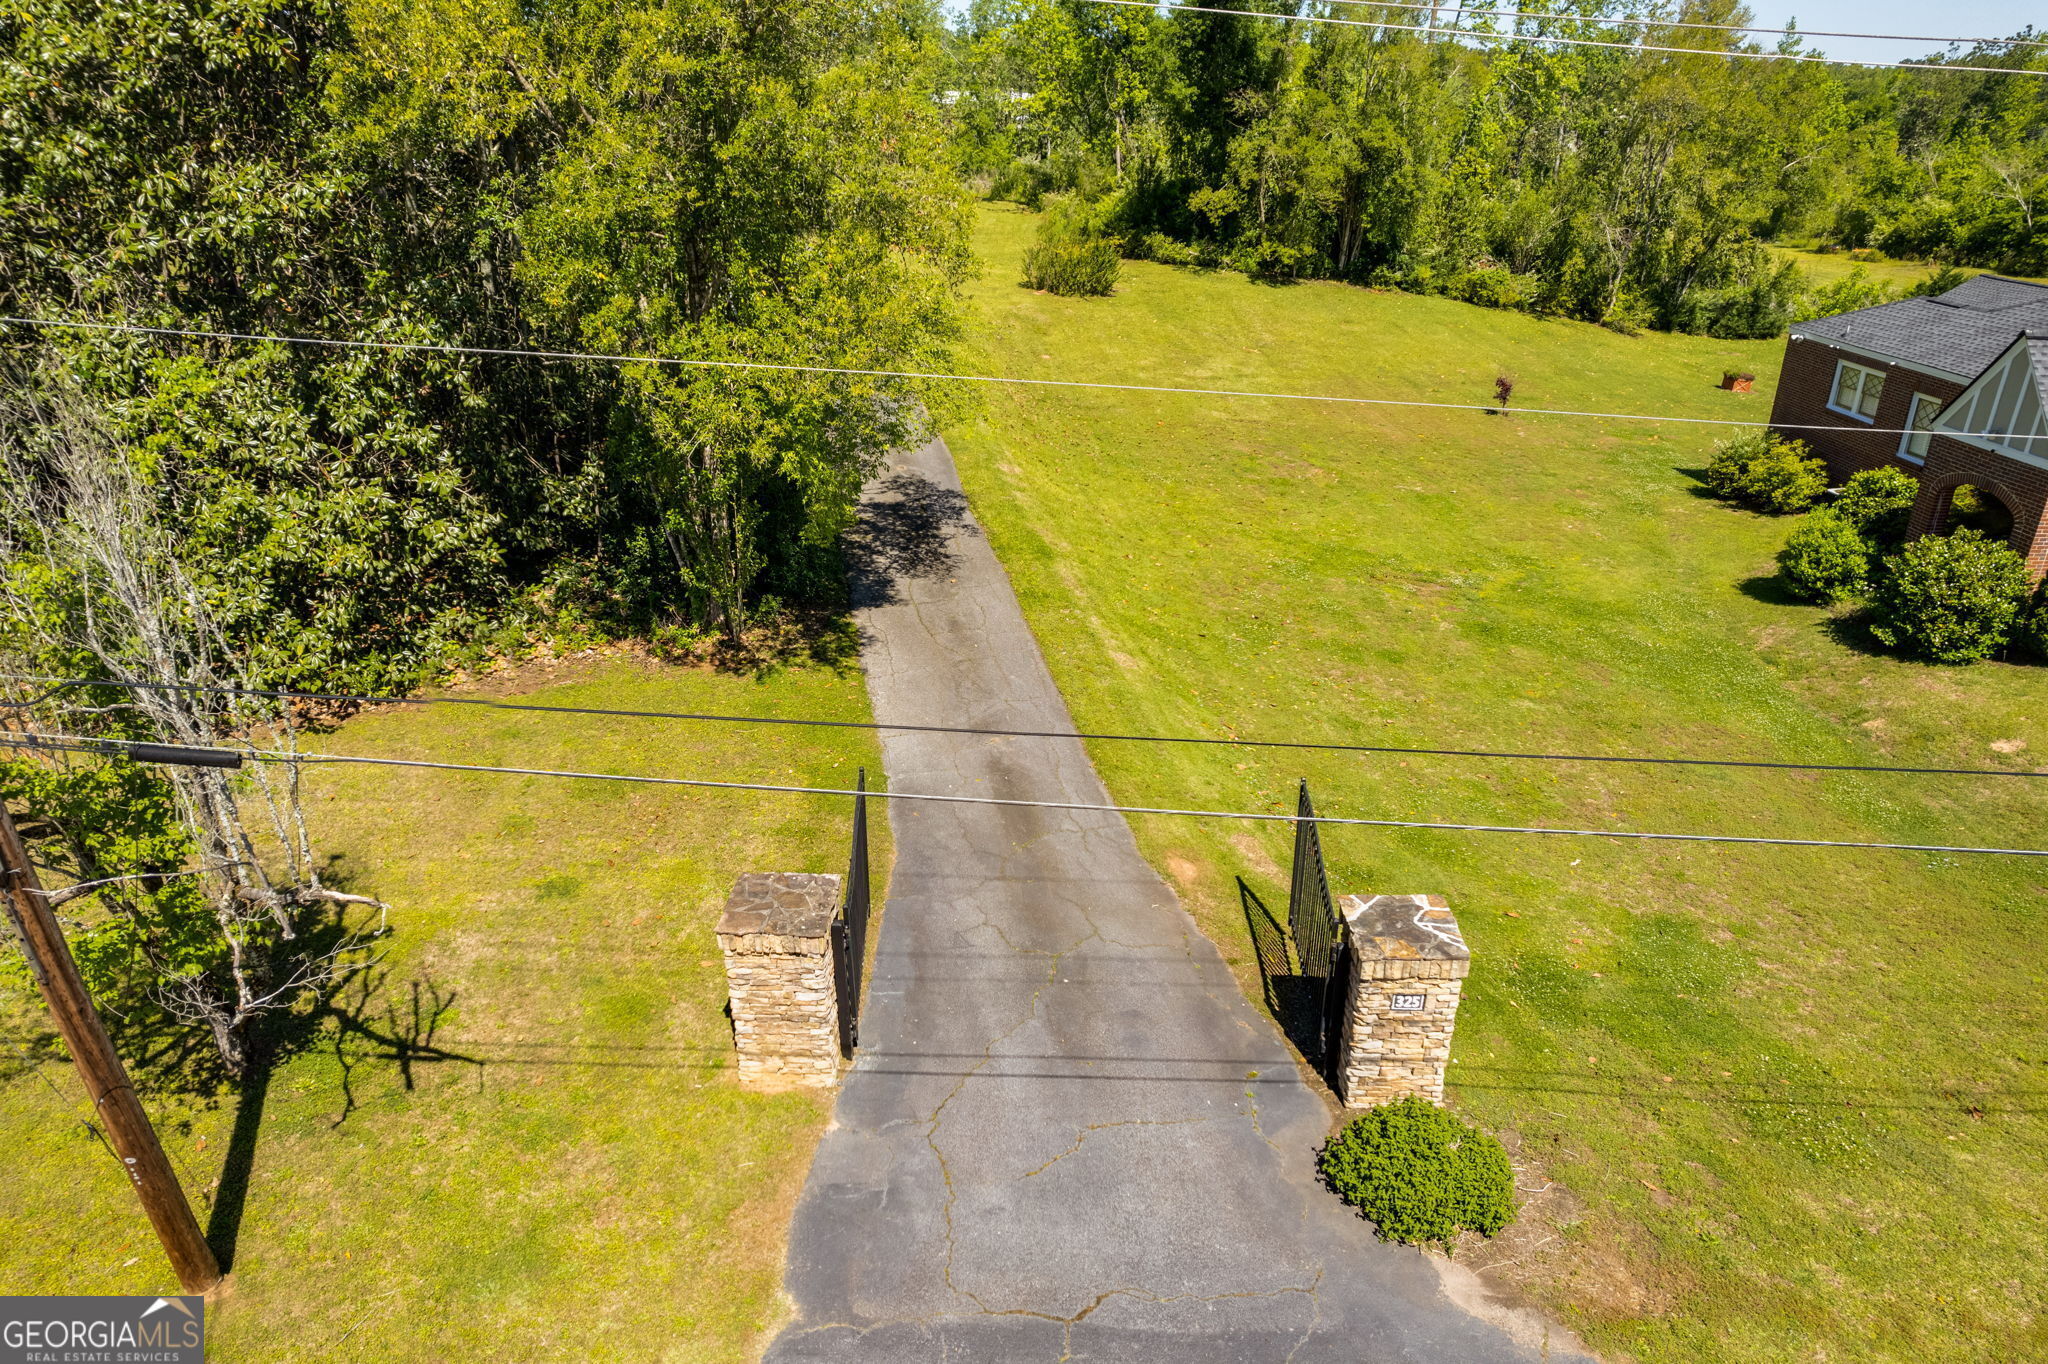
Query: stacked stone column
[
  {"x": 776, "y": 934},
  {"x": 1407, "y": 964}
]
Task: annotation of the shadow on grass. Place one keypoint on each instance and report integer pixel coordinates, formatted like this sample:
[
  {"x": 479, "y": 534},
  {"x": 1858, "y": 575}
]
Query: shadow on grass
[
  {"x": 343, "y": 1013},
  {"x": 1696, "y": 483},
  {"x": 1851, "y": 630},
  {"x": 1770, "y": 589},
  {"x": 788, "y": 639}
]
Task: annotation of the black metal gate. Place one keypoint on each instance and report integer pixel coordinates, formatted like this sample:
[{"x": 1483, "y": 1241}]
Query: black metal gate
[
  {"x": 1318, "y": 942},
  {"x": 850, "y": 926}
]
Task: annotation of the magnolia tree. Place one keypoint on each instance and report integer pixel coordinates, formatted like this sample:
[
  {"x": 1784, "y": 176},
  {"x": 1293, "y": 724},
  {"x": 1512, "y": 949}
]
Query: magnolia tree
[{"x": 207, "y": 887}]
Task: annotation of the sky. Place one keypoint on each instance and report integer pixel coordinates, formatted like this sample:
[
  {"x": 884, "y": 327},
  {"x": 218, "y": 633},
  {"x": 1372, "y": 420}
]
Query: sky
[
  {"x": 1975, "y": 19},
  {"x": 1971, "y": 19}
]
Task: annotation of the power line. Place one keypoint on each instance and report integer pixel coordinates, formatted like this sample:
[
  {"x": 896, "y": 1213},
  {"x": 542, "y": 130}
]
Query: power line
[
  {"x": 262, "y": 755},
  {"x": 1573, "y": 42},
  {"x": 57, "y": 684},
  {"x": 1694, "y": 24},
  {"x": 602, "y": 358}
]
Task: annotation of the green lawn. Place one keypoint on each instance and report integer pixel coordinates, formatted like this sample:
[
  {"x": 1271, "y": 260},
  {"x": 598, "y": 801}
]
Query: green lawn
[
  {"x": 1795, "y": 1098},
  {"x": 525, "y": 1143},
  {"x": 1826, "y": 267}
]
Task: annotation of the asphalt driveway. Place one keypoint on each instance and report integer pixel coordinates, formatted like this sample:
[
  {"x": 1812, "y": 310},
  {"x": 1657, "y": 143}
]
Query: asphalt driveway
[{"x": 1067, "y": 1136}]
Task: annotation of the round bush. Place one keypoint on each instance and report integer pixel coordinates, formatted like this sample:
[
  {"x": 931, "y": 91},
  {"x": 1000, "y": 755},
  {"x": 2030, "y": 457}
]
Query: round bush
[
  {"x": 1950, "y": 598},
  {"x": 1784, "y": 480},
  {"x": 1420, "y": 1174},
  {"x": 1877, "y": 503},
  {"x": 1768, "y": 472},
  {"x": 1728, "y": 471},
  {"x": 1825, "y": 560}
]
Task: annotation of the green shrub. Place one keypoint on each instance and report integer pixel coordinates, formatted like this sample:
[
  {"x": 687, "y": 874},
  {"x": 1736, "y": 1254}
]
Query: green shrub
[
  {"x": 1166, "y": 250},
  {"x": 1420, "y": 1174},
  {"x": 2030, "y": 632},
  {"x": 1877, "y": 503},
  {"x": 1087, "y": 267},
  {"x": 1944, "y": 278},
  {"x": 1950, "y": 598},
  {"x": 1728, "y": 471},
  {"x": 1825, "y": 560},
  {"x": 1852, "y": 292},
  {"x": 1491, "y": 286},
  {"x": 1768, "y": 472},
  {"x": 1072, "y": 255}
]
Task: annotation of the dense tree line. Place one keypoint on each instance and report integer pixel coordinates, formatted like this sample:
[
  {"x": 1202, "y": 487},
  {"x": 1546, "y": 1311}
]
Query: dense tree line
[
  {"x": 754, "y": 181},
  {"x": 694, "y": 179},
  {"x": 1613, "y": 184}
]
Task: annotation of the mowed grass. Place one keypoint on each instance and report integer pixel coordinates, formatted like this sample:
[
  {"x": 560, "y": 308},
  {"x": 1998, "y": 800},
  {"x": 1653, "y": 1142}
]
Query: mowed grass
[
  {"x": 518, "y": 1136},
  {"x": 1796, "y": 1098},
  {"x": 1828, "y": 267}
]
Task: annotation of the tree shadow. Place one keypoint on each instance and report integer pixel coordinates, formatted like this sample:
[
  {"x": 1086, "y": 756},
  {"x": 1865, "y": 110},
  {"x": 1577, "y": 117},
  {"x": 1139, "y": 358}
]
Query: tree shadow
[
  {"x": 905, "y": 528},
  {"x": 789, "y": 638},
  {"x": 404, "y": 1034}
]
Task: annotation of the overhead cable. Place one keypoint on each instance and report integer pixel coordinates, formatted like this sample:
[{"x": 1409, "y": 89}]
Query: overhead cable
[
  {"x": 58, "y": 684},
  {"x": 602, "y": 358},
  {"x": 1484, "y": 36},
  {"x": 261, "y": 755},
  {"x": 1785, "y": 31}
]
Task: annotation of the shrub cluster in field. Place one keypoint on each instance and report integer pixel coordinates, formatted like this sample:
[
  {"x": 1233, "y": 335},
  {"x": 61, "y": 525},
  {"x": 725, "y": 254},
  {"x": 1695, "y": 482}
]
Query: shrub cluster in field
[
  {"x": 1071, "y": 256},
  {"x": 1951, "y": 599},
  {"x": 1420, "y": 1174}
]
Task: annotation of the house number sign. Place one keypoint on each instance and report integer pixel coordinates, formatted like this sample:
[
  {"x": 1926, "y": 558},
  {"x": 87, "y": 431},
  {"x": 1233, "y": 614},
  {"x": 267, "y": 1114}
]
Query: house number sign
[{"x": 1408, "y": 1004}]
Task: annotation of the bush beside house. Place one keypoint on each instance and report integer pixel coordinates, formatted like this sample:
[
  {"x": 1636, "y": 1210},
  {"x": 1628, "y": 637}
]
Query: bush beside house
[
  {"x": 1950, "y": 598},
  {"x": 1947, "y": 598},
  {"x": 1825, "y": 559},
  {"x": 1767, "y": 472}
]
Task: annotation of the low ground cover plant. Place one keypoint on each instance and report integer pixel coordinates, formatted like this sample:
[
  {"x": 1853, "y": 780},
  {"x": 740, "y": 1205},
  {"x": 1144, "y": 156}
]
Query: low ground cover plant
[
  {"x": 1420, "y": 1174},
  {"x": 1767, "y": 472}
]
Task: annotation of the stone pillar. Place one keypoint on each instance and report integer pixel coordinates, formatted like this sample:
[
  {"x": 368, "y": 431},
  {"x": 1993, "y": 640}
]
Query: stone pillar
[
  {"x": 776, "y": 933},
  {"x": 1401, "y": 997}
]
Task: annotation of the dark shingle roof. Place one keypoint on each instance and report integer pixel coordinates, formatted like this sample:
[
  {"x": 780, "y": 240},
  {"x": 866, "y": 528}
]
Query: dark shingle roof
[{"x": 1960, "y": 331}]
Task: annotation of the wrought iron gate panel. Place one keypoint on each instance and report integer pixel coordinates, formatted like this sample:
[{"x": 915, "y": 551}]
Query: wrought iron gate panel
[
  {"x": 1312, "y": 923},
  {"x": 850, "y": 927}
]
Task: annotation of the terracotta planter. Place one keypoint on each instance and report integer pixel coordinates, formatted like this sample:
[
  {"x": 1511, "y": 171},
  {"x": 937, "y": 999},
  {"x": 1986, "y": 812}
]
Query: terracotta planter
[{"x": 1737, "y": 384}]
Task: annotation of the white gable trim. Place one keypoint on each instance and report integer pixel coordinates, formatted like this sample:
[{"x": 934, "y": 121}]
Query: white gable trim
[{"x": 2002, "y": 410}]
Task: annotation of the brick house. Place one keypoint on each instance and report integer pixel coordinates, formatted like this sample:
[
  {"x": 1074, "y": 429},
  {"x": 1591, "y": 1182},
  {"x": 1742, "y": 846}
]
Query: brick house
[{"x": 1952, "y": 389}]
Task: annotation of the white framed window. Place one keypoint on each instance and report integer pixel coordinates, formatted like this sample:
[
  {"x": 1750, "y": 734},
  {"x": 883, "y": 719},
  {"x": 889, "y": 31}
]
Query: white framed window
[
  {"x": 1920, "y": 417},
  {"x": 1856, "y": 391}
]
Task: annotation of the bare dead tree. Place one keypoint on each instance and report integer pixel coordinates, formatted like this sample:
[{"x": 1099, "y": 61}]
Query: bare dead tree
[{"x": 108, "y": 590}]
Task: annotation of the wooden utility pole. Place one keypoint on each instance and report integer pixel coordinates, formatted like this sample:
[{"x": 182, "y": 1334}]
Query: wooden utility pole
[{"x": 113, "y": 1097}]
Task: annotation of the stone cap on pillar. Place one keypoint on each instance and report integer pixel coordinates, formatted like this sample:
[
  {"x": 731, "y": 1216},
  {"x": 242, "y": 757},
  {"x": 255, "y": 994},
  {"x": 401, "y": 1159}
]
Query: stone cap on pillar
[
  {"x": 781, "y": 912},
  {"x": 1405, "y": 937}
]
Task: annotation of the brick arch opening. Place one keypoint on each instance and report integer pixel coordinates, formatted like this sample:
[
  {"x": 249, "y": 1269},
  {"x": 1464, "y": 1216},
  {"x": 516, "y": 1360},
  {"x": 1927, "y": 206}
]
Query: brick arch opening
[{"x": 1980, "y": 503}]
